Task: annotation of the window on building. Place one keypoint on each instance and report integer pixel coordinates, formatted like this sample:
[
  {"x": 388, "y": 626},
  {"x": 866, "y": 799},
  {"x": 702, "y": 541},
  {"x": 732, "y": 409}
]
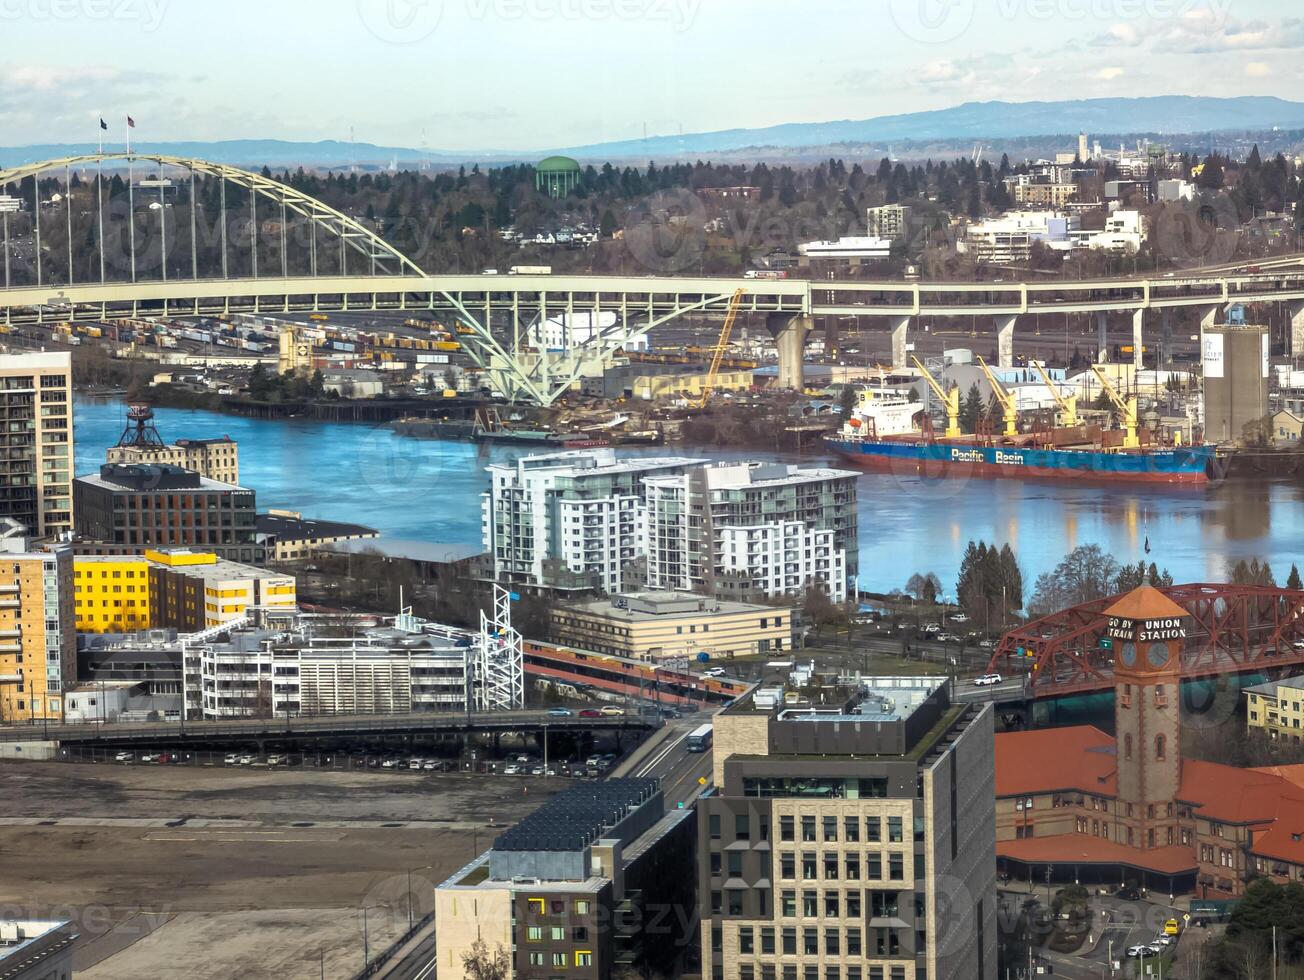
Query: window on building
[
  {"x": 735, "y": 863},
  {"x": 746, "y": 943},
  {"x": 851, "y": 830},
  {"x": 788, "y": 903},
  {"x": 830, "y": 829},
  {"x": 789, "y": 941},
  {"x": 896, "y": 866},
  {"x": 1161, "y": 747},
  {"x": 810, "y": 941},
  {"x": 853, "y": 905},
  {"x": 809, "y": 866},
  {"x": 894, "y": 830},
  {"x": 1127, "y": 746},
  {"x": 808, "y": 829},
  {"x": 873, "y": 829},
  {"x": 787, "y": 866},
  {"x": 767, "y": 941},
  {"x": 786, "y": 828},
  {"x": 810, "y": 904}
]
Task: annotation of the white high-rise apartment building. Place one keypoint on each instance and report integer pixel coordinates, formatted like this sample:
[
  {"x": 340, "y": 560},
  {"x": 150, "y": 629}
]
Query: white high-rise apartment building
[
  {"x": 569, "y": 519},
  {"x": 748, "y": 529}
]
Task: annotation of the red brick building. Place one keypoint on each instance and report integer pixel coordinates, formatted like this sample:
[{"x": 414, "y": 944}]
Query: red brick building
[{"x": 1080, "y": 805}]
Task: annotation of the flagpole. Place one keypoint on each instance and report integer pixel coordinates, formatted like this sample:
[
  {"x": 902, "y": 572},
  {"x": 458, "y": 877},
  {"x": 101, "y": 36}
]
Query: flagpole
[
  {"x": 99, "y": 189},
  {"x": 131, "y": 204}
]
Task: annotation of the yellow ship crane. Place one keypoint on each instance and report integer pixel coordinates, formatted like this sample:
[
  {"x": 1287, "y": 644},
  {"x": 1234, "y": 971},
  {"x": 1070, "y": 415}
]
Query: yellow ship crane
[
  {"x": 721, "y": 346},
  {"x": 950, "y": 399},
  {"x": 1068, "y": 406},
  {"x": 1009, "y": 407},
  {"x": 1127, "y": 408}
]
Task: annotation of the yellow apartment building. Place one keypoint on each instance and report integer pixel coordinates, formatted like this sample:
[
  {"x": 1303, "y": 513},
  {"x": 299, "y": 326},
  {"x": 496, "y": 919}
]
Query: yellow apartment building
[
  {"x": 38, "y": 644},
  {"x": 111, "y": 593},
  {"x": 180, "y": 589},
  {"x": 1276, "y": 708}
]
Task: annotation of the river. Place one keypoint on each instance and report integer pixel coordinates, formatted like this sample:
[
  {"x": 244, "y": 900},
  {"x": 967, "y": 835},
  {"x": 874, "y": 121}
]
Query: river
[{"x": 429, "y": 491}]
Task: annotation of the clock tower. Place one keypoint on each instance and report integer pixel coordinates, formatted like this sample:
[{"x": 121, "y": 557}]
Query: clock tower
[{"x": 1149, "y": 631}]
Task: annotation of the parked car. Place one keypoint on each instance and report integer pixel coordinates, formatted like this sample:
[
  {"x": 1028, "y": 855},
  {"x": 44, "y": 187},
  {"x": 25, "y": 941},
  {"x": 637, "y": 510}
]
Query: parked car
[
  {"x": 1128, "y": 894},
  {"x": 987, "y": 644},
  {"x": 430, "y": 764},
  {"x": 233, "y": 759},
  {"x": 125, "y": 757},
  {"x": 248, "y": 760},
  {"x": 391, "y": 763},
  {"x": 713, "y": 672},
  {"x": 276, "y": 760},
  {"x": 512, "y": 770},
  {"x": 150, "y": 757}
]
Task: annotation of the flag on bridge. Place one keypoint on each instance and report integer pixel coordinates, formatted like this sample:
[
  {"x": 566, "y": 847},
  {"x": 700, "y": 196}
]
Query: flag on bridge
[
  {"x": 131, "y": 122},
  {"x": 103, "y": 124}
]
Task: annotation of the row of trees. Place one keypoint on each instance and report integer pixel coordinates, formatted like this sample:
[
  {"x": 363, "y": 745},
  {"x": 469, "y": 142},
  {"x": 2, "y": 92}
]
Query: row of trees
[
  {"x": 990, "y": 585},
  {"x": 1086, "y": 574}
]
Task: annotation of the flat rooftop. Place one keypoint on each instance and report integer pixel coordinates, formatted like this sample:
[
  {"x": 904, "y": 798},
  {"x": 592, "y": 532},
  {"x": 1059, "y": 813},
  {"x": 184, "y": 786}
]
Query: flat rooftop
[
  {"x": 575, "y": 818},
  {"x": 25, "y": 942},
  {"x": 877, "y": 699},
  {"x": 301, "y": 529},
  {"x": 153, "y": 478},
  {"x": 651, "y": 607}
]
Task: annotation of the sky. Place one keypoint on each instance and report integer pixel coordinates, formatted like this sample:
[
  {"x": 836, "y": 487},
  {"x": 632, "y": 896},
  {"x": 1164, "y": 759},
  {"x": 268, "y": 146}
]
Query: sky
[{"x": 536, "y": 74}]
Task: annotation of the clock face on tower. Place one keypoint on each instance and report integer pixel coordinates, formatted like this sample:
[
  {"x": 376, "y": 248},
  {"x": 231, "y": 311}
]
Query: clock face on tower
[
  {"x": 1158, "y": 654},
  {"x": 1129, "y": 654}
]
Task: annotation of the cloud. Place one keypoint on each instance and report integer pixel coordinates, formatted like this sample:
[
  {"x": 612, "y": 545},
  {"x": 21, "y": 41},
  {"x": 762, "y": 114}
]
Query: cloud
[
  {"x": 1200, "y": 32},
  {"x": 1119, "y": 36},
  {"x": 1110, "y": 73},
  {"x": 1257, "y": 69}
]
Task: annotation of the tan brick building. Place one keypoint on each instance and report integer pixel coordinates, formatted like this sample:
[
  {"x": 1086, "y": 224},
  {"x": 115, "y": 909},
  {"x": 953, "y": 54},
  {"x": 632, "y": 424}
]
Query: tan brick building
[
  {"x": 215, "y": 459},
  {"x": 662, "y": 625},
  {"x": 842, "y": 831}
]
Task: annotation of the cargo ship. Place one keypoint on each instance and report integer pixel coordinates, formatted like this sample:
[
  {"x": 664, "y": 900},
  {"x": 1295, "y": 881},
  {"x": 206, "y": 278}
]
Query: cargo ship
[{"x": 886, "y": 431}]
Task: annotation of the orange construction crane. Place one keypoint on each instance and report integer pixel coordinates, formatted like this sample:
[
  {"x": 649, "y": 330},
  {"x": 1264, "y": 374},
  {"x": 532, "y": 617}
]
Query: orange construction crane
[{"x": 721, "y": 346}]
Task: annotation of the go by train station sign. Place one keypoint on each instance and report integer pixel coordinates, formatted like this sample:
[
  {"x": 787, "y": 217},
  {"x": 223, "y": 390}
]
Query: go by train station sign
[{"x": 1146, "y": 630}]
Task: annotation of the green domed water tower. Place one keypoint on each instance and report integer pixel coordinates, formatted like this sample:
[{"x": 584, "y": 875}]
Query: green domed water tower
[{"x": 557, "y": 176}]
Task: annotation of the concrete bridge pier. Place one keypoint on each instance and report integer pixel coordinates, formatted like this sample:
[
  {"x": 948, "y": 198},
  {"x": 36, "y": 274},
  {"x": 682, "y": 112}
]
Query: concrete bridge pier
[
  {"x": 1166, "y": 337},
  {"x": 790, "y": 334},
  {"x": 1102, "y": 337},
  {"x": 1005, "y": 340},
  {"x": 1138, "y": 338},
  {"x": 1296, "y": 310},
  {"x": 900, "y": 326}
]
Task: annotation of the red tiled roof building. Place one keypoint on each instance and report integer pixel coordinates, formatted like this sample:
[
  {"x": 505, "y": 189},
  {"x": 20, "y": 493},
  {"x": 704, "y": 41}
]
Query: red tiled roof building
[{"x": 1082, "y": 806}]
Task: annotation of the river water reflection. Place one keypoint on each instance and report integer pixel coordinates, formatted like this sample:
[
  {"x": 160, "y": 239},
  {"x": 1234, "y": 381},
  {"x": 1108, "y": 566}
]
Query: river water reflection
[{"x": 429, "y": 491}]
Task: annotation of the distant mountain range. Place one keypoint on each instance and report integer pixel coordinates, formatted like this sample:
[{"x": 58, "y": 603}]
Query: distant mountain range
[
  {"x": 991, "y": 121},
  {"x": 986, "y": 120}
]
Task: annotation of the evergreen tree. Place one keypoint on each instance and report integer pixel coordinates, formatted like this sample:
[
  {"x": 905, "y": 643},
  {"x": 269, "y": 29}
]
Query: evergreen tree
[
  {"x": 1293, "y": 580},
  {"x": 971, "y": 409}
]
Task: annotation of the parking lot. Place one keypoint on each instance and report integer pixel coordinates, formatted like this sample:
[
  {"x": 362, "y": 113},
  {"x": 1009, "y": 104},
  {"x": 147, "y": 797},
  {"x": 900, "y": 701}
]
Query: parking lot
[{"x": 239, "y": 870}]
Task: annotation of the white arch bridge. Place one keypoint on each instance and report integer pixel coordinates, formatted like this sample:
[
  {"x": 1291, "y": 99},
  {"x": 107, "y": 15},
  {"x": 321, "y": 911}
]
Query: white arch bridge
[{"x": 199, "y": 238}]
